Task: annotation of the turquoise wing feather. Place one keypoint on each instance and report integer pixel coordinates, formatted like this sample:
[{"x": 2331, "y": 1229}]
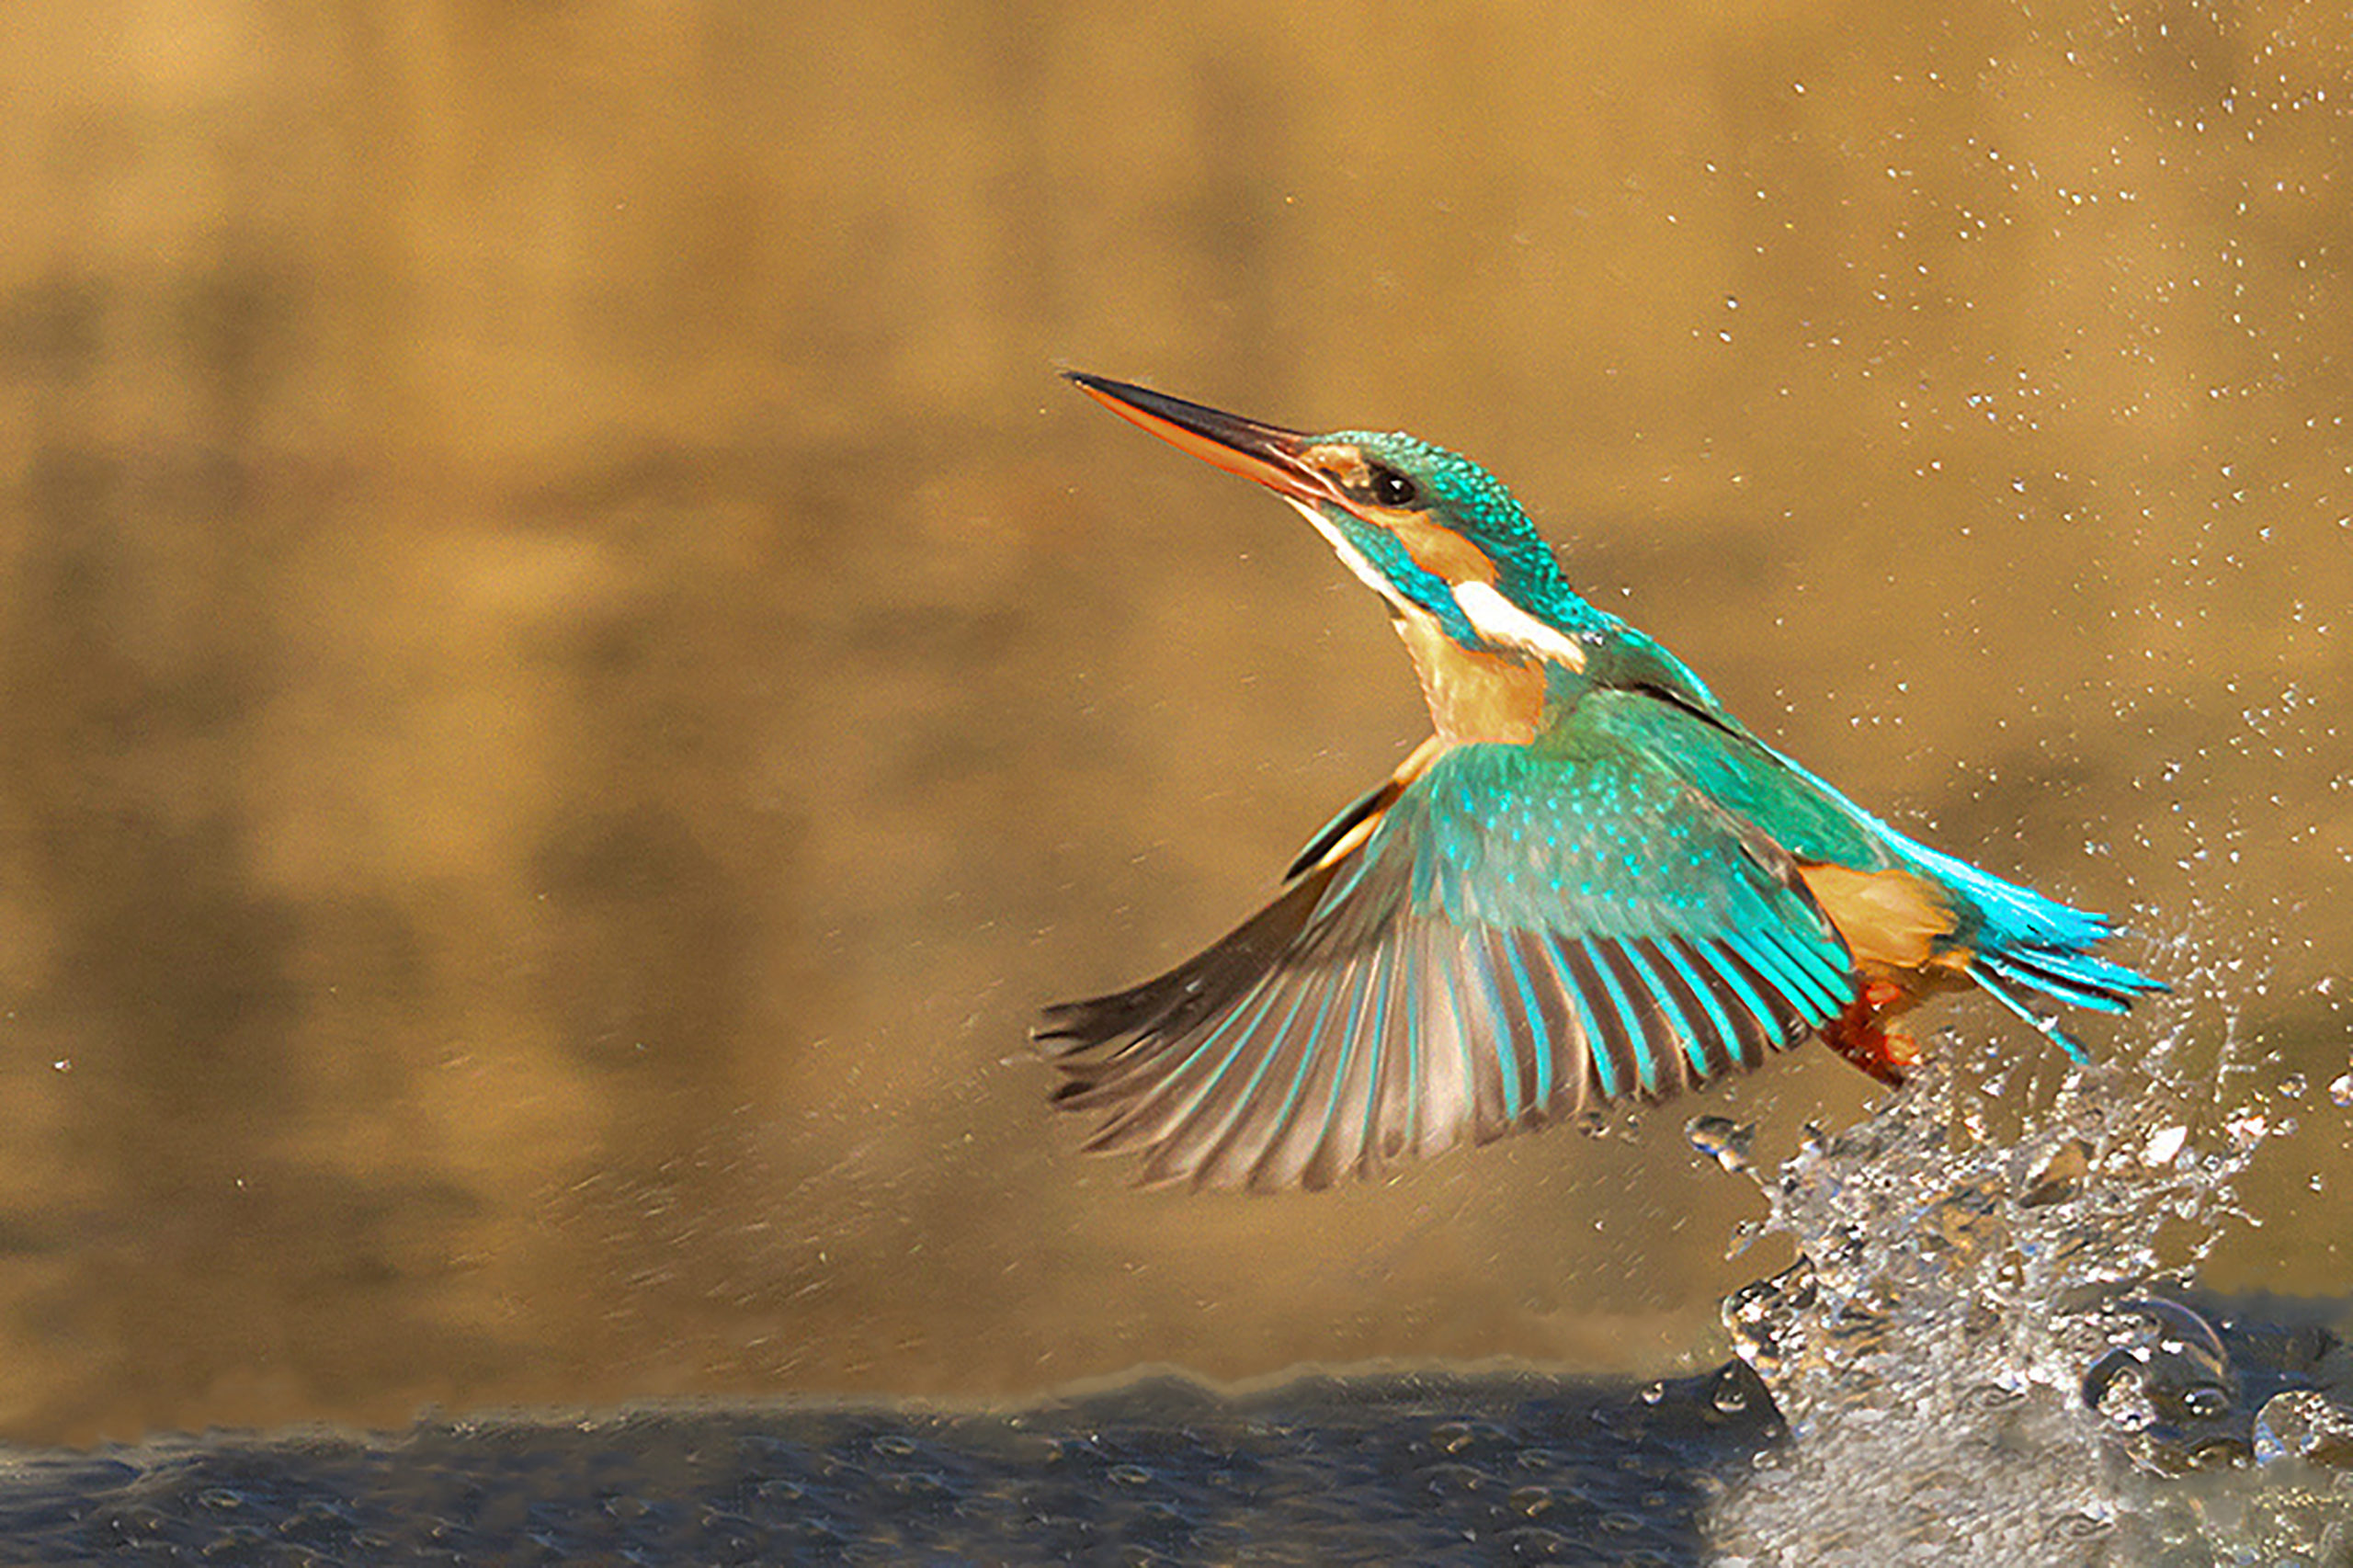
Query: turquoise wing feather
[
  {"x": 1525, "y": 932},
  {"x": 2020, "y": 940}
]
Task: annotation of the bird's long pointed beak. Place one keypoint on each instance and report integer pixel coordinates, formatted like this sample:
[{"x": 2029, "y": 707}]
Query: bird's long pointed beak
[{"x": 1268, "y": 453}]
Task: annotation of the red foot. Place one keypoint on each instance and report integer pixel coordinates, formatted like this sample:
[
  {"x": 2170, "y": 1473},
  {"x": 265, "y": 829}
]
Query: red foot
[{"x": 1856, "y": 1035}]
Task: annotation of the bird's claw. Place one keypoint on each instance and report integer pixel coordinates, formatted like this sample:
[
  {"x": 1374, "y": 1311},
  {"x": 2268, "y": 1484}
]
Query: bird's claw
[{"x": 1856, "y": 1034}]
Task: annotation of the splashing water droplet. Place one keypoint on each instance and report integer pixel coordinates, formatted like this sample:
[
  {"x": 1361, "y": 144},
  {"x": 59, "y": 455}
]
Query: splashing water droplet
[
  {"x": 2062, "y": 1176},
  {"x": 1722, "y": 1139},
  {"x": 2164, "y": 1144},
  {"x": 2247, "y": 1128},
  {"x": 2340, "y": 1092},
  {"x": 2304, "y": 1423},
  {"x": 1973, "y": 1339}
]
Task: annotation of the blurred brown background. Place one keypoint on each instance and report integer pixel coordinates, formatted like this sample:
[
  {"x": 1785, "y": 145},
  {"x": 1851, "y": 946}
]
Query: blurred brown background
[{"x": 570, "y": 678}]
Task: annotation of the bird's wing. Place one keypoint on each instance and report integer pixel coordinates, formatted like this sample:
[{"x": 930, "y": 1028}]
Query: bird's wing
[{"x": 1518, "y": 934}]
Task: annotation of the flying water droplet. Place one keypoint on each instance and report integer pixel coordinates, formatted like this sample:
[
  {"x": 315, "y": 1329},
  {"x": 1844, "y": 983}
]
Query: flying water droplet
[
  {"x": 1722, "y": 1139},
  {"x": 2250, "y": 1127}
]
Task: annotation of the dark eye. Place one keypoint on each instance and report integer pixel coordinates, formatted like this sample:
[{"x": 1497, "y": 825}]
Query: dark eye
[{"x": 1391, "y": 488}]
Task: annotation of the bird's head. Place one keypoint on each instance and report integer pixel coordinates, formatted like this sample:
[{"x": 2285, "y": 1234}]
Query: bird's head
[{"x": 1426, "y": 528}]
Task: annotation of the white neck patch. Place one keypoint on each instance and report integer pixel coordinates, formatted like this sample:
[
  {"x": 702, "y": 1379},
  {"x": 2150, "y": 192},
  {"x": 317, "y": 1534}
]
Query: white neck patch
[
  {"x": 1490, "y": 615},
  {"x": 1498, "y": 620}
]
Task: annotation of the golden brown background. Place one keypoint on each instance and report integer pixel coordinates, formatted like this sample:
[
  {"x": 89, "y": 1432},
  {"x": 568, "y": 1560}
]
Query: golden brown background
[{"x": 569, "y": 676}]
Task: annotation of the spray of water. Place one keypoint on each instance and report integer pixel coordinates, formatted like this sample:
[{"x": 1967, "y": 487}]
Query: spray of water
[{"x": 1992, "y": 1350}]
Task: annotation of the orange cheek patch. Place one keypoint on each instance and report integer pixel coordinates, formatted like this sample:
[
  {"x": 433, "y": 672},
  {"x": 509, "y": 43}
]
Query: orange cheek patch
[{"x": 1439, "y": 551}]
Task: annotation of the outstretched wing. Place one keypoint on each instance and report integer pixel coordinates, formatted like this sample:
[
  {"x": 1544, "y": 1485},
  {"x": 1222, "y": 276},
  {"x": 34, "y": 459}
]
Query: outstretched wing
[{"x": 1511, "y": 936}]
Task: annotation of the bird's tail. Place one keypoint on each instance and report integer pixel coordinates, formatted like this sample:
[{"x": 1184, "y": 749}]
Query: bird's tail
[
  {"x": 2078, "y": 978},
  {"x": 2030, "y": 946}
]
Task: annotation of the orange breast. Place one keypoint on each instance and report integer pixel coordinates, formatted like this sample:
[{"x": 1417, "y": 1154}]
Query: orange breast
[{"x": 1473, "y": 696}]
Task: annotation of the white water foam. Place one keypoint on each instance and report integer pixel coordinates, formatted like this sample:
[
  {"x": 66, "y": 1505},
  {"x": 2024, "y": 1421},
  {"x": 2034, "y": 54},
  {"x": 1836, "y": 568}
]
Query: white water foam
[{"x": 1992, "y": 1351}]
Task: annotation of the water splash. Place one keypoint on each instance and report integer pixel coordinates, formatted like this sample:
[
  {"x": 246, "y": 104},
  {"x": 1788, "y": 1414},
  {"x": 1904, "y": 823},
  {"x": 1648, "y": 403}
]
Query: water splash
[
  {"x": 1722, "y": 1139},
  {"x": 1991, "y": 1350}
]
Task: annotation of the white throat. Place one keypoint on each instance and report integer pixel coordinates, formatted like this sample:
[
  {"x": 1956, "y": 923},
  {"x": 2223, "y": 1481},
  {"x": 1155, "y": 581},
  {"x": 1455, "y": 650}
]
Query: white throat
[{"x": 1350, "y": 556}]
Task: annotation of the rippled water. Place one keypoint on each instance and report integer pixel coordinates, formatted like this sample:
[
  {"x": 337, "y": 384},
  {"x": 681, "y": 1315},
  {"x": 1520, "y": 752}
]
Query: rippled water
[{"x": 1991, "y": 1350}]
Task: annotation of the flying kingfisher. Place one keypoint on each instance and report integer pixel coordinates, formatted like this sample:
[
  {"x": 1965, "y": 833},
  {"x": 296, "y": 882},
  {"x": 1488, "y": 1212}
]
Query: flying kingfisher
[{"x": 1589, "y": 883}]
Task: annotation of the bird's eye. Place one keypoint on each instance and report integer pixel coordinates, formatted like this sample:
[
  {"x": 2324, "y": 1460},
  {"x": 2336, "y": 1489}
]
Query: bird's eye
[{"x": 1391, "y": 488}]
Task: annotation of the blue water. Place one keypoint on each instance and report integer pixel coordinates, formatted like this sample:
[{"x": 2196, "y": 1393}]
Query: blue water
[
  {"x": 1991, "y": 1350},
  {"x": 1407, "y": 1469},
  {"x": 1431, "y": 1468}
]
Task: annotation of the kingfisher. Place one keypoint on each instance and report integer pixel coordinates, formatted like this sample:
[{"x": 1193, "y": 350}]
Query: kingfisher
[{"x": 1591, "y": 883}]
